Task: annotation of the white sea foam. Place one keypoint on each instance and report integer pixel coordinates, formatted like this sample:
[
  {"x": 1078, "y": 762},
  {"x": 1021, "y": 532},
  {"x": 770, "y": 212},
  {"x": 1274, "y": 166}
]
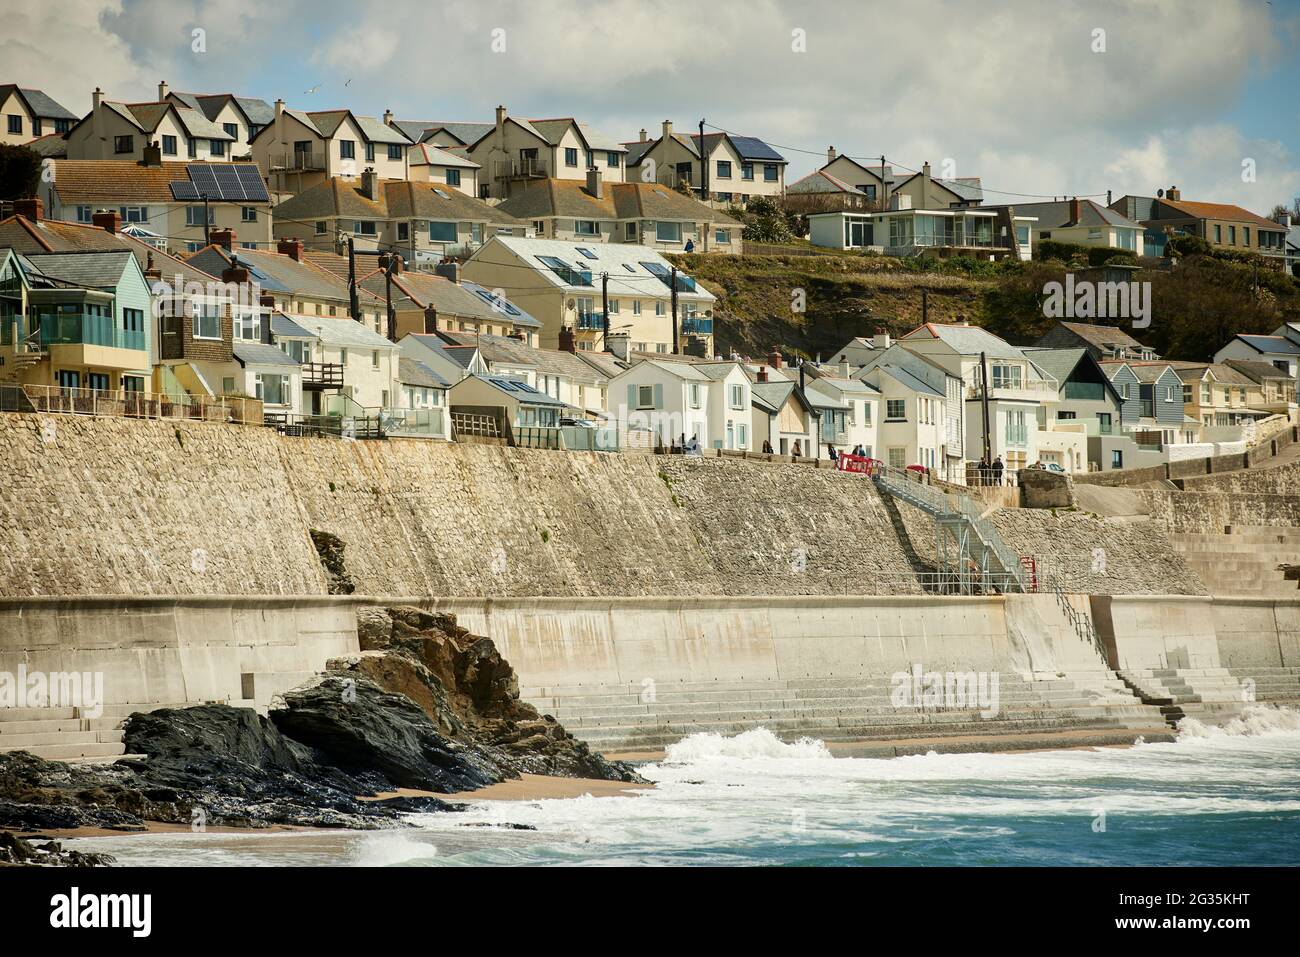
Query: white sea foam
[
  {"x": 1255, "y": 720},
  {"x": 758, "y": 743},
  {"x": 392, "y": 848}
]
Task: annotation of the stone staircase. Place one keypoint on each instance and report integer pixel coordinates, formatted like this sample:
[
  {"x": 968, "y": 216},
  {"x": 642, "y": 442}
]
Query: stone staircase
[
  {"x": 619, "y": 718},
  {"x": 1209, "y": 694},
  {"x": 1243, "y": 560}
]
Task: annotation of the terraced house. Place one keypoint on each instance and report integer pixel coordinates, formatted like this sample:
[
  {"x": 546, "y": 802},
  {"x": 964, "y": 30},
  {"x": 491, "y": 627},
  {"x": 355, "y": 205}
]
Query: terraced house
[
  {"x": 424, "y": 222},
  {"x": 243, "y": 117},
  {"x": 27, "y": 114},
  {"x": 645, "y": 214},
  {"x": 123, "y": 131},
  {"x": 736, "y": 168},
  {"x": 514, "y": 151},
  {"x": 566, "y": 286},
  {"x": 177, "y": 206},
  {"x": 298, "y": 150}
]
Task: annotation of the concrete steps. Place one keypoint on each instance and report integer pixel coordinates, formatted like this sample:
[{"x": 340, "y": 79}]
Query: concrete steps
[
  {"x": 1243, "y": 561},
  {"x": 844, "y": 709}
]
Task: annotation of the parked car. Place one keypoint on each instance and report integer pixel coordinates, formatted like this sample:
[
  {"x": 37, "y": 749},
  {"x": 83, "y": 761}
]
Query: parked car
[{"x": 1053, "y": 467}]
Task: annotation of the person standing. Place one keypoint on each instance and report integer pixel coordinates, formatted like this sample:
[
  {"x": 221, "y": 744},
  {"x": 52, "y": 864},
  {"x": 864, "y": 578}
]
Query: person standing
[{"x": 997, "y": 470}]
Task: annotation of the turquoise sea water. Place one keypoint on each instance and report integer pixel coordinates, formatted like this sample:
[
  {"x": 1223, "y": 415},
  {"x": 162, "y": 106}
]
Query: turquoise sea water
[{"x": 1217, "y": 796}]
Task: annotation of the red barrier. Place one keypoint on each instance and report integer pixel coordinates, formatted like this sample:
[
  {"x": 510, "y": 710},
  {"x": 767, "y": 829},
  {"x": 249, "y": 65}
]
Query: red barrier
[{"x": 859, "y": 464}]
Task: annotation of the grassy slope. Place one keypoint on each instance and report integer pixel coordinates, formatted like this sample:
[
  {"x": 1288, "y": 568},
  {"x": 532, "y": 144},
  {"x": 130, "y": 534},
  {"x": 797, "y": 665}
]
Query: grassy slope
[{"x": 846, "y": 296}]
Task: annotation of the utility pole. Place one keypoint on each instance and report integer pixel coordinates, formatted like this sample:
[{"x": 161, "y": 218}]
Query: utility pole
[
  {"x": 704, "y": 187},
  {"x": 604, "y": 308},
  {"x": 207, "y": 232},
  {"x": 925, "y": 307},
  {"x": 674, "y": 288},
  {"x": 354, "y": 304},
  {"x": 883, "y": 199},
  {"x": 984, "y": 401},
  {"x": 388, "y": 293}
]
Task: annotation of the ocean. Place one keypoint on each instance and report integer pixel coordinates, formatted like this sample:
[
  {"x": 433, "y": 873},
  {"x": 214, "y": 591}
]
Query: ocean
[{"x": 1216, "y": 796}]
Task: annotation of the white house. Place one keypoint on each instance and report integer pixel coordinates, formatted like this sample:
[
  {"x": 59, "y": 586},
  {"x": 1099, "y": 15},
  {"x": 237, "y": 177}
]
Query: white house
[
  {"x": 1015, "y": 388},
  {"x": 729, "y": 408},
  {"x": 851, "y": 414},
  {"x": 667, "y": 397},
  {"x": 1281, "y": 349}
]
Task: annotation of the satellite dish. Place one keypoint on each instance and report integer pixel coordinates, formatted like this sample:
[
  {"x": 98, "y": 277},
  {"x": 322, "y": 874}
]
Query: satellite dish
[
  {"x": 570, "y": 305},
  {"x": 1160, "y": 194}
]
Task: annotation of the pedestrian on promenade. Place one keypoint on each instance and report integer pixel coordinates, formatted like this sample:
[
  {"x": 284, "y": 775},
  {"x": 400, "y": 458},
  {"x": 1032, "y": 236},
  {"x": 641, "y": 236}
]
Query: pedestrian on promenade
[{"x": 997, "y": 470}]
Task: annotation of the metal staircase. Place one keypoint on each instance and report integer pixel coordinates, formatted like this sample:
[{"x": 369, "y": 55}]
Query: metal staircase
[{"x": 970, "y": 555}]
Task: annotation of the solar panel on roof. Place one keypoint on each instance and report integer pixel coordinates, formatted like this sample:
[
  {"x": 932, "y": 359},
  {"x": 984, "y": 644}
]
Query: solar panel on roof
[
  {"x": 184, "y": 190},
  {"x": 254, "y": 187}
]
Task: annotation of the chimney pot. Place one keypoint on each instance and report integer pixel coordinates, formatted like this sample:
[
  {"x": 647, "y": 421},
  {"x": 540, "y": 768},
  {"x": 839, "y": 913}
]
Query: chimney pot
[
  {"x": 291, "y": 248},
  {"x": 108, "y": 219},
  {"x": 31, "y": 209}
]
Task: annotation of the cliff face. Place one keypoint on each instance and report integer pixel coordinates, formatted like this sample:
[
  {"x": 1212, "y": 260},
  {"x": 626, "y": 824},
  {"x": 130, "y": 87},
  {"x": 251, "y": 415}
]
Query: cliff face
[{"x": 124, "y": 507}]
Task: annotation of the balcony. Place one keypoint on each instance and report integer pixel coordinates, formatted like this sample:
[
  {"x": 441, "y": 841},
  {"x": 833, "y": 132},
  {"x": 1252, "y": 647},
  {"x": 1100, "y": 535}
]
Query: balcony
[
  {"x": 591, "y": 320},
  {"x": 305, "y": 161},
  {"x": 1035, "y": 391},
  {"x": 60, "y": 329},
  {"x": 698, "y": 327},
  {"x": 319, "y": 376},
  {"x": 523, "y": 168}
]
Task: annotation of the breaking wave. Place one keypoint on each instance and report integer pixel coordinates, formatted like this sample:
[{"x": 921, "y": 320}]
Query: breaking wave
[
  {"x": 1255, "y": 720},
  {"x": 758, "y": 743}
]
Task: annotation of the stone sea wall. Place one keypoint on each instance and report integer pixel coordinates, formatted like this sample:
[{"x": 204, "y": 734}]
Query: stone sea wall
[{"x": 120, "y": 507}]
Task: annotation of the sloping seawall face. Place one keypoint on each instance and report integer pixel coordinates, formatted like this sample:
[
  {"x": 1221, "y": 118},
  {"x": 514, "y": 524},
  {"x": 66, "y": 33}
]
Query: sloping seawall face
[{"x": 123, "y": 507}]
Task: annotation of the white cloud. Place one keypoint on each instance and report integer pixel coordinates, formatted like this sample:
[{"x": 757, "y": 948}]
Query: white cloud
[{"x": 1011, "y": 90}]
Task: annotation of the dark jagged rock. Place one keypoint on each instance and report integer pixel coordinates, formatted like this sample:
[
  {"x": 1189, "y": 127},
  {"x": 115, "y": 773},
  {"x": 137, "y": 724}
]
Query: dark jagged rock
[
  {"x": 358, "y": 727},
  {"x": 17, "y": 852},
  {"x": 330, "y": 550},
  {"x": 470, "y": 691}
]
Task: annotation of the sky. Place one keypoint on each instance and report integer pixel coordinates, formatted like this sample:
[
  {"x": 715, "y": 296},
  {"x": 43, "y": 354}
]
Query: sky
[{"x": 1036, "y": 97}]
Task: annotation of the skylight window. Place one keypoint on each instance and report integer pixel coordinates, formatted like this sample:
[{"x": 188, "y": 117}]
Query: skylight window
[
  {"x": 585, "y": 251},
  {"x": 569, "y": 275}
]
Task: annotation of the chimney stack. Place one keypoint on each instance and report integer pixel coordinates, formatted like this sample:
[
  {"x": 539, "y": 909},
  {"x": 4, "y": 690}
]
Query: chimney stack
[
  {"x": 643, "y": 134},
  {"x": 668, "y": 129},
  {"x": 925, "y": 185},
  {"x": 774, "y": 360},
  {"x": 1076, "y": 212},
  {"x": 449, "y": 269},
  {"x": 370, "y": 184},
  {"x": 501, "y": 121},
  {"x": 266, "y": 300},
  {"x": 830, "y": 155},
  {"x": 224, "y": 238},
  {"x": 881, "y": 339},
  {"x": 151, "y": 270},
  {"x": 152, "y": 156},
  {"x": 393, "y": 258},
  {"x": 162, "y": 90},
  {"x": 430, "y": 320},
  {"x": 1173, "y": 193},
  {"x": 388, "y": 117},
  {"x": 31, "y": 209},
  {"x": 235, "y": 273},
  {"x": 291, "y": 248},
  {"x": 567, "y": 343},
  {"x": 596, "y": 183},
  {"x": 96, "y": 98},
  {"x": 108, "y": 219},
  {"x": 846, "y": 372},
  {"x": 618, "y": 345},
  {"x": 762, "y": 373}
]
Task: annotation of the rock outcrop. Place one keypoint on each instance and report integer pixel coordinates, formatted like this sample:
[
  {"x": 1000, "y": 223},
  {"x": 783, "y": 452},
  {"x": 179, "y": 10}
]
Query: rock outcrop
[{"x": 16, "y": 852}]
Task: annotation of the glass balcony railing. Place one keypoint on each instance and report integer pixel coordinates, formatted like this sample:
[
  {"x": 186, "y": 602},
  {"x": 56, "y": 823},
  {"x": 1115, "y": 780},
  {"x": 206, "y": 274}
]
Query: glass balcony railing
[
  {"x": 85, "y": 329},
  {"x": 590, "y": 320},
  {"x": 700, "y": 327}
]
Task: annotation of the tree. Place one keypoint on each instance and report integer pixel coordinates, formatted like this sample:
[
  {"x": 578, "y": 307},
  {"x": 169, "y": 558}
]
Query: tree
[
  {"x": 766, "y": 222},
  {"x": 20, "y": 172}
]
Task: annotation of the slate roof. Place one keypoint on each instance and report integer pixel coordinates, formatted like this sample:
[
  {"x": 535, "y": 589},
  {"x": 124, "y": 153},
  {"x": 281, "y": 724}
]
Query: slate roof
[
  {"x": 343, "y": 332},
  {"x": 822, "y": 182},
  {"x": 94, "y": 270},
  {"x": 283, "y": 326},
  {"x": 907, "y": 379},
  {"x": 623, "y": 262},
  {"x": 519, "y": 391},
  {"x": 1058, "y": 363},
  {"x": 1275, "y": 344},
  {"x": 42, "y": 106},
  {"x": 428, "y": 154},
  {"x": 210, "y": 105},
  {"x": 1055, "y": 215},
  {"x": 467, "y": 133},
  {"x": 1103, "y": 337},
  {"x": 1226, "y": 211},
  {"x": 1256, "y": 370},
  {"x": 415, "y": 372},
  {"x": 968, "y": 340},
  {"x": 50, "y": 146},
  {"x": 261, "y": 354},
  {"x": 280, "y": 273}
]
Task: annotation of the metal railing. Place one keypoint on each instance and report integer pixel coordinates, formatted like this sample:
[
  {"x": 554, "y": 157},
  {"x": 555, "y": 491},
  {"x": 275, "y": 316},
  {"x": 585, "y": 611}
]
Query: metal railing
[
  {"x": 321, "y": 426},
  {"x": 60, "y": 329},
  {"x": 426, "y": 423},
  {"x": 508, "y": 169},
  {"x": 957, "y": 510},
  {"x": 538, "y": 437},
  {"x": 237, "y": 410}
]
